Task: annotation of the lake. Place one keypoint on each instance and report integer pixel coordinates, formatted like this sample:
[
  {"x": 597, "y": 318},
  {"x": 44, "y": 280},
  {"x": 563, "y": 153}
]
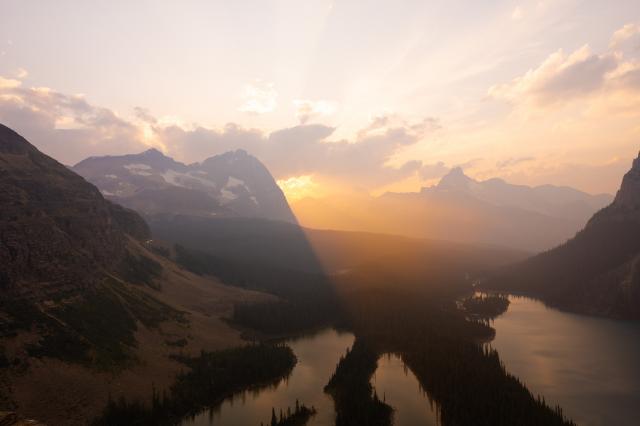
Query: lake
[
  {"x": 589, "y": 366},
  {"x": 318, "y": 356}
]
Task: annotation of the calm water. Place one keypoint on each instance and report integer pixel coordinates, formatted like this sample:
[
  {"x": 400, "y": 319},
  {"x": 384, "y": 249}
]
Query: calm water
[
  {"x": 398, "y": 386},
  {"x": 589, "y": 366},
  {"x": 318, "y": 356}
]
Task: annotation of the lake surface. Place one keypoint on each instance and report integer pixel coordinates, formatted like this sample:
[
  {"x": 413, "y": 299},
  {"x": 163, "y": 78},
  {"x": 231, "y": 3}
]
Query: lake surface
[
  {"x": 589, "y": 366},
  {"x": 318, "y": 356},
  {"x": 397, "y": 385}
]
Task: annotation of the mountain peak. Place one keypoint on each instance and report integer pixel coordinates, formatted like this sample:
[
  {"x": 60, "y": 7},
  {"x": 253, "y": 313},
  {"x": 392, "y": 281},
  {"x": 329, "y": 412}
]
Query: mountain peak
[
  {"x": 629, "y": 193},
  {"x": 455, "y": 179},
  {"x": 152, "y": 153},
  {"x": 11, "y": 142}
]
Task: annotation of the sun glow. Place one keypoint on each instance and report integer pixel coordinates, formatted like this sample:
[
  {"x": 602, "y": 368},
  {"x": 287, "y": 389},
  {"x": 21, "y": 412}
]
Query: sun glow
[{"x": 299, "y": 187}]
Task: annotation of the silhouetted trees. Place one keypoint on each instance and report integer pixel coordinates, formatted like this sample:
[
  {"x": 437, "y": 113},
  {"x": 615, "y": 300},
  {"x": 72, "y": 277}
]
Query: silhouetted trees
[
  {"x": 298, "y": 417},
  {"x": 356, "y": 402},
  {"x": 486, "y": 306},
  {"x": 211, "y": 377}
]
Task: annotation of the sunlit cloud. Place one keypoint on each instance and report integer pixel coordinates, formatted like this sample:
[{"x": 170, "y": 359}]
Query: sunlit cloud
[
  {"x": 9, "y": 83},
  {"x": 21, "y": 73},
  {"x": 628, "y": 34},
  {"x": 307, "y": 110},
  {"x": 299, "y": 187},
  {"x": 559, "y": 78},
  {"x": 259, "y": 98},
  {"x": 517, "y": 13}
]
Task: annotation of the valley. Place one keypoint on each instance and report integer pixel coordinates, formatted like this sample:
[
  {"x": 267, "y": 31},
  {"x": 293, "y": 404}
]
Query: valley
[{"x": 237, "y": 318}]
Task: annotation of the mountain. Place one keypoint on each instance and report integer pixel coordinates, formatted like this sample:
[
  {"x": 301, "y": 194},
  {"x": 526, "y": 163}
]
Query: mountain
[
  {"x": 597, "y": 271},
  {"x": 462, "y": 209},
  {"x": 234, "y": 184},
  {"x": 554, "y": 201},
  {"x": 56, "y": 228},
  {"x": 88, "y": 308}
]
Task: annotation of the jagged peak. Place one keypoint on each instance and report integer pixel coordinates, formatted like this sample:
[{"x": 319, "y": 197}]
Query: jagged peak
[
  {"x": 454, "y": 179},
  {"x": 629, "y": 193}
]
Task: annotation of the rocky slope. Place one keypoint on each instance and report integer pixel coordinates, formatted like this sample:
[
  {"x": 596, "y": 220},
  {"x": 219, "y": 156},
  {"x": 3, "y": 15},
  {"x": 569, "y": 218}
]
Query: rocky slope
[
  {"x": 55, "y": 228},
  {"x": 87, "y": 310},
  {"x": 597, "y": 271},
  {"x": 234, "y": 184}
]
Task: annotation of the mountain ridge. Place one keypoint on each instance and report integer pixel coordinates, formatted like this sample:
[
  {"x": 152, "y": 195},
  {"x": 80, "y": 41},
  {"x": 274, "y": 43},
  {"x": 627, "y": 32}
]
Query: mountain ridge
[
  {"x": 88, "y": 308},
  {"x": 462, "y": 209},
  {"x": 596, "y": 272},
  {"x": 234, "y": 183}
]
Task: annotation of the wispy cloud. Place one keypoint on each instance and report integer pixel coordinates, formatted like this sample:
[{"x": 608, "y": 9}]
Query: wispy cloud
[
  {"x": 259, "y": 97},
  {"x": 307, "y": 109},
  {"x": 562, "y": 78}
]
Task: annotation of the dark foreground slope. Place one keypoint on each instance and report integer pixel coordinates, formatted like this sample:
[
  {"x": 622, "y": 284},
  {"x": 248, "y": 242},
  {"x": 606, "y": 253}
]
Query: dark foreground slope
[
  {"x": 597, "y": 271},
  {"x": 86, "y": 310}
]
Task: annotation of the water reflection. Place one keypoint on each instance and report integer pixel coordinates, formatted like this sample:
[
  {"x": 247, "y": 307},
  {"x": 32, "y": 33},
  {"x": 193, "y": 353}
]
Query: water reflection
[
  {"x": 398, "y": 387},
  {"x": 318, "y": 356},
  {"x": 589, "y": 366}
]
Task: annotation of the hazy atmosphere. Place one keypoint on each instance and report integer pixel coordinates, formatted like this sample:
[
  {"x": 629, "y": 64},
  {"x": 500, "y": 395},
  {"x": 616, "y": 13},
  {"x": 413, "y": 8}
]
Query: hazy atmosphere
[
  {"x": 320, "y": 212},
  {"x": 364, "y": 95}
]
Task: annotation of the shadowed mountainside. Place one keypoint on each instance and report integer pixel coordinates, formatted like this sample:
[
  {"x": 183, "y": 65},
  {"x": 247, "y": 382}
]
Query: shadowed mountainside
[
  {"x": 86, "y": 310},
  {"x": 597, "y": 271}
]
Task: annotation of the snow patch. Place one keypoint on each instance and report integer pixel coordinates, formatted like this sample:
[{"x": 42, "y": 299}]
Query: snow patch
[
  {"x": 172, "y": 177},
  {"x": 182, "y": 179},
  {"x": 233, "y": 182},
  {"x": 227, "y": 195},
  {"x": 138, "y": 169}
]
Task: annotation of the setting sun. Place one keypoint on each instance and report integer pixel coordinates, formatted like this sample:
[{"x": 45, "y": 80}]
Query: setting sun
[{"x": 299, "y": 187}]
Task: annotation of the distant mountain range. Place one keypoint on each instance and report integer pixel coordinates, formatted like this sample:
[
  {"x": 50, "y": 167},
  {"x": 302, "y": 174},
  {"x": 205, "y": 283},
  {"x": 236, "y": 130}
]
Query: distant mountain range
[
  {"x": 234, "y": 184},
  {"x": 597, "y": 271},
  {"x": 462, "y": 209}
]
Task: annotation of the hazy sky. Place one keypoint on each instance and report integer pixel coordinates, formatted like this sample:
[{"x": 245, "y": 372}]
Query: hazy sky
[{"x": 372, "y": 95}]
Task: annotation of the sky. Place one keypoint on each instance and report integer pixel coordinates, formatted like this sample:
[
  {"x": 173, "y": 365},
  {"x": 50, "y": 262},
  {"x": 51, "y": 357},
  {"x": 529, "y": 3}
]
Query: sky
[{"x": 332, "y": 95}]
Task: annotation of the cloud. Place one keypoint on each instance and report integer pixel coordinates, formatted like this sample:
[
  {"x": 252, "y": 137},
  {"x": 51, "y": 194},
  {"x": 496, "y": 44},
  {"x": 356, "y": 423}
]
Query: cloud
[
  {"x": 559, "y": 78},
  {"x": 8, "y": 83},
  {"x": 513, "y": 161},
  {"x": 308, "y": 150},
  {"x": 69, "y": 128},
  {"x": 66, "y": 127},
  {"x": 307, "y": 109},
  {"x": 259, "y": 98},
  {"x": 628, "y": 35},
  {"x": 517, "y": 14},
  {"x": 434, "y": 171},
  {"x": 562, "y": 78}
]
